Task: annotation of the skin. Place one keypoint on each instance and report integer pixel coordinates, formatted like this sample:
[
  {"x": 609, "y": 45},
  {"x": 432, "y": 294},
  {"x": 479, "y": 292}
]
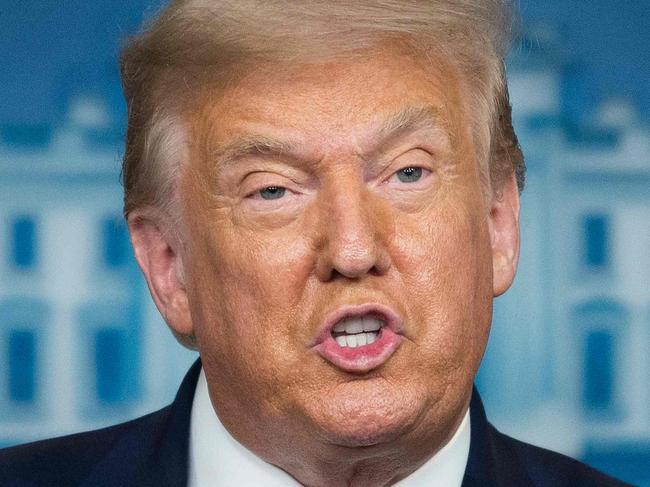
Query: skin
[{"x": 254, "y": 278}]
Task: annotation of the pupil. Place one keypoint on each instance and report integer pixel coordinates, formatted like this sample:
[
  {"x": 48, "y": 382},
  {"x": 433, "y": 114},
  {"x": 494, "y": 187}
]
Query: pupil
[
  {"x": 272, "y": 193},
  {"x": 409, "y": 174}
]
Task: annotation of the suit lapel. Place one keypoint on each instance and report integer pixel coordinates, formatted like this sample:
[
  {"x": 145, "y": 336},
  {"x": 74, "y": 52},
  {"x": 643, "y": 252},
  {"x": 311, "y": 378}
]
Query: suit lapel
[
  {"x": 491, "y": 461},
  {"x": 173, "y": 452},
  {"x": 156, "y": 447}
]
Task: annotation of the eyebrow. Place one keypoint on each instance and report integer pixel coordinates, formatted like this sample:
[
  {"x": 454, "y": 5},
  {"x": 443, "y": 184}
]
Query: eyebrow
[
  {"x": 407, "y": 120},
  {"x": 411, "y": 119},
  {"x": 252, "y": 145}
]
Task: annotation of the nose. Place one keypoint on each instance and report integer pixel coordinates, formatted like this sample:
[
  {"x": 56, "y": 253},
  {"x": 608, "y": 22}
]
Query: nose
[{"x": 353, "y": 234}]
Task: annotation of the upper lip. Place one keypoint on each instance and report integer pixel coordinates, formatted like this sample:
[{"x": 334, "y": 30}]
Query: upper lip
[{"x": 390, "y": 318}]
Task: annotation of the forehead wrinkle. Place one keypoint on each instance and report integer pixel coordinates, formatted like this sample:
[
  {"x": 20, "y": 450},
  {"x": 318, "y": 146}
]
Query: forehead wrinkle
[{"x": 389, "y": 128}]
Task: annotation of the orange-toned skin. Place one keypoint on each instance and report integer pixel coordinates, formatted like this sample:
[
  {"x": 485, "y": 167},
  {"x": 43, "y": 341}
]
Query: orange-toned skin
[{"x": 261, "y": 275}]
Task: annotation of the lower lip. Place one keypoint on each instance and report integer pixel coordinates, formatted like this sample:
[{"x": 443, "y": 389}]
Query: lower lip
[{"x": 360, "y": 359}]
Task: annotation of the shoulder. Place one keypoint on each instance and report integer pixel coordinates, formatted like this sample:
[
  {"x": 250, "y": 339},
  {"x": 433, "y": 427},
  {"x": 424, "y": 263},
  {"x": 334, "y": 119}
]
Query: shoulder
[
  {"x": 545, "y": 467},
  {"x": 147, "y": 451},
  {"x": 69, "y": 460},
  {"x": 497, "y": 459}
]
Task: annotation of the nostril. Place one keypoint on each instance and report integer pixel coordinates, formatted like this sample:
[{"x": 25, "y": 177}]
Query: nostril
[
  {"x": 329, "y": 271},
  {"x": 355, "y": 260}
]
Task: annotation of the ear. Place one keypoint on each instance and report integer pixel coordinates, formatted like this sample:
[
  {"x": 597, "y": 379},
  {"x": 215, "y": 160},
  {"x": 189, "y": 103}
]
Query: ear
[
  {"x": 158, "y": 256},
  {"x": 504, "y": 235}
]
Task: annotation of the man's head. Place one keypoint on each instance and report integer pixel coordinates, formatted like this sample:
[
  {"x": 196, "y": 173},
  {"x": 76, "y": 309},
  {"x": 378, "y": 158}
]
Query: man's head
[
  {"x": 325, "y": 198},
  {"x": 197, "y": 44}
]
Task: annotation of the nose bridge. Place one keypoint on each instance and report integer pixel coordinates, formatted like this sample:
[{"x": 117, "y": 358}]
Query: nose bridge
[
  {"x": 349, "y": 219},
  {"x": 351, "y": 230}
]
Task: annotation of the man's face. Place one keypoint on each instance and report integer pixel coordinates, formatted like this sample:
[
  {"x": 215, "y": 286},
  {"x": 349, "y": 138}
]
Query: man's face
[{"x": 345, "y": 193}]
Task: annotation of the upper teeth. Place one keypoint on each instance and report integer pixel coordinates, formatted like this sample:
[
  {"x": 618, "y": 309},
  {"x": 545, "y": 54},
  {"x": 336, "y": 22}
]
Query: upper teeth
[{"x": 358, "y": 325}]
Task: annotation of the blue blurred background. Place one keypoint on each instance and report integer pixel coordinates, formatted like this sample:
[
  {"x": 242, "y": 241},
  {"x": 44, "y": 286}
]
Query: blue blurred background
[{"x": 567, "y": 367}]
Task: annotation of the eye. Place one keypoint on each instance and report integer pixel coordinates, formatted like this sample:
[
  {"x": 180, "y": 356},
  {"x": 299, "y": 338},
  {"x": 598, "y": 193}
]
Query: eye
[
  {"x": 409, "y": 174},
  {"x": 272, "y": 192}
]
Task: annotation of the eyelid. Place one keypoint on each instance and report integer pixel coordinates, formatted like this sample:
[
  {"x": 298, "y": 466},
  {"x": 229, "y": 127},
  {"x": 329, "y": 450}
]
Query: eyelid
[
  {"x": 256, "y": 181},
  {"x": 413, "y": 157},
  {"x": 290, "y": 178}
]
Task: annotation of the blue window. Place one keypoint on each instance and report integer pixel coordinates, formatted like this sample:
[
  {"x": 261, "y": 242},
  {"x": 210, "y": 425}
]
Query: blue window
[
  {"x": 110, "y": 365},
  {"x": 626, "y": 459},
  {"x": 26, "y": 135},
  {"x": 22, "y": 366},
  {"x": 115, "y": 239},
  {"x": 599, "y": 371},
  {"x": 23, "y": 244},
  {"x": 603, "y": 321},
  {"x": 596, "y": 241}
]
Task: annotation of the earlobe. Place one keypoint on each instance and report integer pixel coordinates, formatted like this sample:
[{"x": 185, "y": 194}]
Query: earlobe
[
  {"x": 161, "y": 264},
  {"x": 504, "y": 236}
]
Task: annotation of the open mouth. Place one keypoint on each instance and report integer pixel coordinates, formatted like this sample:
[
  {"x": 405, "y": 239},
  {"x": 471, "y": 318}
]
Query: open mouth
[
  {"x": 359, "y": 338},
  {"x": 358, "y": 331}
]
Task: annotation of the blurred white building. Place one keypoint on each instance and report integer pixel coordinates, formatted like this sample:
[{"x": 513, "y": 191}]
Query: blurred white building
[
  {"x": 81, "y": 344},
  {"x": 568, "y": 364}
]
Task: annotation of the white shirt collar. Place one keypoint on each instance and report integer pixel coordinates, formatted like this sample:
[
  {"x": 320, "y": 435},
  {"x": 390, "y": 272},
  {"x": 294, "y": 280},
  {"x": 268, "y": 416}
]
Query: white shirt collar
[{"x": 216, "y": 459}]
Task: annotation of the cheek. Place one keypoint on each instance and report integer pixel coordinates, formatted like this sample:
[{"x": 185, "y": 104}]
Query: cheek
[
  {"x": 445, "y": 263},
  {"x": 244, "y": 285},
  {"x": 263, "y": 275},
  {"x": 246, "y": 290}
]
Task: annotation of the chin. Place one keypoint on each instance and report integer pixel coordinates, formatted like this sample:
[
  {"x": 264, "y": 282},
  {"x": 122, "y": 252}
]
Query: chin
[
  {"x": 364, "y": 436},
  {"x": 366, "y": 416}
]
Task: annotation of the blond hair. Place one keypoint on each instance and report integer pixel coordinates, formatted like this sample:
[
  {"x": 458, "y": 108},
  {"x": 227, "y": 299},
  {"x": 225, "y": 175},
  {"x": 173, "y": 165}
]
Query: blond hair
[{"x": 192, "y": 42}]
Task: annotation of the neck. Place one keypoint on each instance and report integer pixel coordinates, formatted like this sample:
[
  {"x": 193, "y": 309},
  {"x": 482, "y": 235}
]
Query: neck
[
  {"x": 315, "y": 455},
  {"x": 317, "y": 464}
]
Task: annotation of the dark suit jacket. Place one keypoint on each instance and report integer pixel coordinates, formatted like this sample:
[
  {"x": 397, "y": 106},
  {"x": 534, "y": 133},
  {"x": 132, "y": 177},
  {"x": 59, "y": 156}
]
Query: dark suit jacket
[{"x": 153, "y": 451}]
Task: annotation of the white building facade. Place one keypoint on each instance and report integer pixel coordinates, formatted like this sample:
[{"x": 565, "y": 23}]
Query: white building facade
[
  {"x": 568, "y": 365},
  {"x": 81, "y": 345}
]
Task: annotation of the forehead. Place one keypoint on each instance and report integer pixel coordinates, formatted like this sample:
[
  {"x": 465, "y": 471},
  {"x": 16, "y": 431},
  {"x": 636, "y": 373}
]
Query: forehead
[{"x": 333, "y": 104}]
